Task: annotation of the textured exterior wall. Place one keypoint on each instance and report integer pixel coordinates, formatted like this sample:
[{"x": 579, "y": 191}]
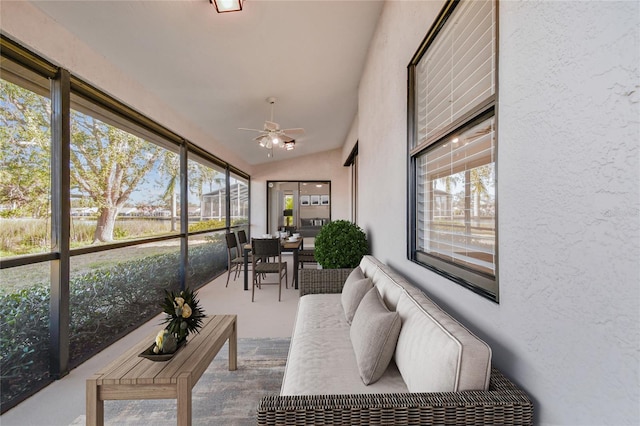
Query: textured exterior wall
[
  {"x": 567, "y": 326},
  {"x": 351, "y": 140}
]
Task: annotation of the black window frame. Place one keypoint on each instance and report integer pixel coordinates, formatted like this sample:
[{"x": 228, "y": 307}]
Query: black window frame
[
  {"x": 63, "y": 84},
  {"x": 480, "y": 283}
]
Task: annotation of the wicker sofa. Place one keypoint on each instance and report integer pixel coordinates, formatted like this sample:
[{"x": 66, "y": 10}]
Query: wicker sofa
[{"x": 440, "y": 372}]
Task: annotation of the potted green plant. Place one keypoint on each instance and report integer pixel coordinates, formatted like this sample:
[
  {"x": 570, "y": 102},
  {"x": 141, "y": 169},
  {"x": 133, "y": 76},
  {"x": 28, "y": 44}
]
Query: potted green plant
[{"x": 340, "y": 244}]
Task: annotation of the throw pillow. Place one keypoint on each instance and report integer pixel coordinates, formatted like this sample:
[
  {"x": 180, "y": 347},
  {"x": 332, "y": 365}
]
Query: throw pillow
[
  {"x": 355, "y": 275},
  {"x": 374, "y": 334},
  {"x": 354, "y": 289}
]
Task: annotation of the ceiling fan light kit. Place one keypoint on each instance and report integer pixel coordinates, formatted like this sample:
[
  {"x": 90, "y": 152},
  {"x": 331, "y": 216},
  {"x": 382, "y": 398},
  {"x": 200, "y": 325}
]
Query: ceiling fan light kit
[
  {"x": 223, "y": 6},
  {"x": 272, "y": 135}
]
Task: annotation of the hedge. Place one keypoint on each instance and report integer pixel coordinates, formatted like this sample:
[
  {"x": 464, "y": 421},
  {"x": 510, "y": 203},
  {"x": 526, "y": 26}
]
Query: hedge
[{"x": 105, "y": 304}]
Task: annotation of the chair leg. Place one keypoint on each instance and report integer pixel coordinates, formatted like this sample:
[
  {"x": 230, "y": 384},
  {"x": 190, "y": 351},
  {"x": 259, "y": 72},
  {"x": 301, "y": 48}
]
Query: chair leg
[
  {"x": 280, "y": 288},
  {"x": 228, "y": 275},
  {"x": 253, "y": 288}
]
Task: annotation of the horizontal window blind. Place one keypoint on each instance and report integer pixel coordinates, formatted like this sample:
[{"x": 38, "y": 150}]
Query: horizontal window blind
[
  {"x": 452, "y": 146},
  {"x": 457, "y": 72},
  {"x": 456, "y": 199}
]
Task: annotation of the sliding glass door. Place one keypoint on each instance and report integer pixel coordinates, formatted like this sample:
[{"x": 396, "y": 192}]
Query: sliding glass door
[{"x": 300, "y": 206}]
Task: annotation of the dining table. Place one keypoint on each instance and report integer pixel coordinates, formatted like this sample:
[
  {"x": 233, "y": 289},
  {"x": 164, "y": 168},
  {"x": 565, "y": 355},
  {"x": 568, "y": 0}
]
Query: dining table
[{"x": 288, "y": 246}]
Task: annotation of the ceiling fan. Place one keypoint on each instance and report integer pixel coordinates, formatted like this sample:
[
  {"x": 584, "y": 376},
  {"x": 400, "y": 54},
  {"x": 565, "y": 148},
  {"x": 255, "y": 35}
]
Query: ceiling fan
[{"x": 272, "y": 135}]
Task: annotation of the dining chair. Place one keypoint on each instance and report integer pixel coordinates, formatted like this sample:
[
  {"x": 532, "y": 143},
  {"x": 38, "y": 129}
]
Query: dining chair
[
  {"x": 242, "y": 241},
  {"x": 234, "y": 260},
  {"x": 261, "y": 251},
  {"x": 242, "y": 238},
  {"x": 306, "y": 256}
]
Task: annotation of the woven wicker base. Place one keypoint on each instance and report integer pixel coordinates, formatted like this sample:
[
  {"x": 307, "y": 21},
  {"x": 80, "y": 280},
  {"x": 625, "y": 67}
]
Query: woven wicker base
[{"x": 502, "y": 404}]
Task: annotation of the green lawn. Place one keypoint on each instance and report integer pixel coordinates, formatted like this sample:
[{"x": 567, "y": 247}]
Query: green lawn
[{"x": 13, "y": 279}]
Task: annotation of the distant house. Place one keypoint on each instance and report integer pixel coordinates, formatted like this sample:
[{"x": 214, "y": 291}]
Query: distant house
[
  {"x": 161, "y": 213},
  {"x": 84, "y": 211},
  {"x": 442, "y": 203},
  {"x": 129, "y": 211},
  {"x": 212, "y": 203}
]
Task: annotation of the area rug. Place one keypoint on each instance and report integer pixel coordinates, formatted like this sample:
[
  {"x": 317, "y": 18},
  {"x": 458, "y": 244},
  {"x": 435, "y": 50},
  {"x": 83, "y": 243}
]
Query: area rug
[{"x": 221, "y": 397}]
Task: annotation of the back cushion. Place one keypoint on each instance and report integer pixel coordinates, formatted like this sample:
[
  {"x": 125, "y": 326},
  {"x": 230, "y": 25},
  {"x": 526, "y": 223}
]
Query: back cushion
[
  {"x": 435, "y": 353},
  {"x": 389, "y": 283},
  {"x": 368, "y": 265},
  {"x": 388, "y": 288}
]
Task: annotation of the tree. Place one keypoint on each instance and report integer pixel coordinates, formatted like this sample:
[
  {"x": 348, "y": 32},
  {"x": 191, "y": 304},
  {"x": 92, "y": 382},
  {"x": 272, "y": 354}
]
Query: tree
[
  {"x": 480, "y": 177},
  {"x": 108, "y": 164},
  {"x": 25, "y": 141},
  {"x": 170, "y": 166},
  {"x": 200, "y": 174},
  {"x": 219, "y": 179}
]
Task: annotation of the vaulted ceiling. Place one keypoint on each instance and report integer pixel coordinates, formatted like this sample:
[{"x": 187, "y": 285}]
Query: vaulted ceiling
[{"x": 218, "y": 69}]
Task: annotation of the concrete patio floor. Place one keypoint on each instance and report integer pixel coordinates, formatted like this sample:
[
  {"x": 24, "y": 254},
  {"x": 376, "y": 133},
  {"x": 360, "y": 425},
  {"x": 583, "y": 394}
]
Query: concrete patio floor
[{"x": 63, "y": 401}]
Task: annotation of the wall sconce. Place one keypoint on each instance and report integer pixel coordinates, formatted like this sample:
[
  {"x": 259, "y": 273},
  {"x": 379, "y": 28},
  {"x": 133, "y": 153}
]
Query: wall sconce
[{"x": 223, "y": 6}]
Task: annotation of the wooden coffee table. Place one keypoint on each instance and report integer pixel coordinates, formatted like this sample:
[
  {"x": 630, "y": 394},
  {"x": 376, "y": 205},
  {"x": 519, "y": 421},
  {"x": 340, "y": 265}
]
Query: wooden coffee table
[{"x": 133, "y": 377}]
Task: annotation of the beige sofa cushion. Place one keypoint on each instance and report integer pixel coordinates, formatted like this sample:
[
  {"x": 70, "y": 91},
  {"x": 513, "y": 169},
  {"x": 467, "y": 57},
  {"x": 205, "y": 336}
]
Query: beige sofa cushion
[
  {"x": 389, "y": 289},
  {"x": 321, "y": 358},
  {"x": 354, "y": 289},
  {"x": 355, "y": 275},
  {"x": 435, "y": 353},
  {"x": 374, "y": 333},
  {"x": 390, "y": 285},
  {"x": 369, "y": 265}
]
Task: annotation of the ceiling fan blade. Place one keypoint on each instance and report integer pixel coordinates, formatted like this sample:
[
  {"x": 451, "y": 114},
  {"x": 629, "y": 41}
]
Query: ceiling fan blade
[
  {"x": 294, "y": 131},
  {"x": 251, "y": 130},
  {"x": 271, "y": 126},
  {"x": 285, "y": 138},
  {"x": 257, "y": 138}
]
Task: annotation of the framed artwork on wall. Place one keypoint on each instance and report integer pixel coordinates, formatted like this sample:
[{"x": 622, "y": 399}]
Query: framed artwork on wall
[
  {"x": 304, "y": 200},
  {"x": 315, "y": 200},
  {"x": 324, "y": 200}
]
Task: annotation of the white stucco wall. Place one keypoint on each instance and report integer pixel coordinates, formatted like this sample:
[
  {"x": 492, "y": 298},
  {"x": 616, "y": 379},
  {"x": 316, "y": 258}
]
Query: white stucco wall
[
  {"x": 567, "y": 326},
  {"x": 351, "y": 140},
  {"x": 322, "y": 166}
]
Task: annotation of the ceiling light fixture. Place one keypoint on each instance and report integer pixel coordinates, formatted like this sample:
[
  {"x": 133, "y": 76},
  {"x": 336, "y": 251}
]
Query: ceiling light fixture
[
  {"x": 223, "y": 6},
  {"x": 272, "y": 136}
]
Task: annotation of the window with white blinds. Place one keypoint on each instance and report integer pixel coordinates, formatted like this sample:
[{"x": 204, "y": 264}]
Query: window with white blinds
[
  {"x": 456, "y": 205},
  {"x": 456, "y": 75},
  {"x": 452, "y": 144}
]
